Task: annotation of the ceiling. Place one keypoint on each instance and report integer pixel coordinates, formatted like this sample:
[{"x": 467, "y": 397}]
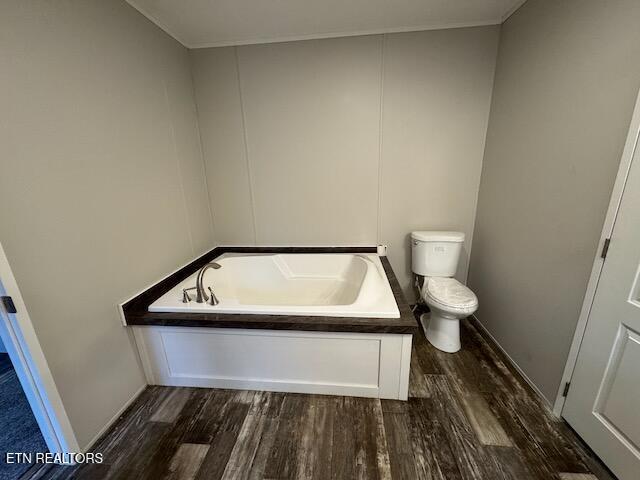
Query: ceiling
[{"x": 214, "y": 23}]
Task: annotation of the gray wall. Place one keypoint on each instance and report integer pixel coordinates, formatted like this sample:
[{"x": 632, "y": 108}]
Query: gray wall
[
  {"x": 101, "y": 188},
  {"x": 355, "y": 140},
  {"x": 566, "y": 82}
]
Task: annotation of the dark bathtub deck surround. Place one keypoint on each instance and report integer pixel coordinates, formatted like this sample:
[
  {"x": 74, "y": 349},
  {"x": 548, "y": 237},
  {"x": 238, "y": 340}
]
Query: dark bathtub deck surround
[{"x": 136, "y": 310}]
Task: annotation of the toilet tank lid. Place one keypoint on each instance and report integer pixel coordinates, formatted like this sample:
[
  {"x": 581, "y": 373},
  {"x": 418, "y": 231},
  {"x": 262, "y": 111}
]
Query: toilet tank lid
[{"x": 431, "y": 236}]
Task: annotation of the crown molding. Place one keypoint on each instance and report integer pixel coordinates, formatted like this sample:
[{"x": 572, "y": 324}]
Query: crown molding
[
  {"x": 318, "y": 36},
  {"x": 157, "y": 23},
  {"x": 512, "y": 10},
  {"x": 356, "y": 33}
]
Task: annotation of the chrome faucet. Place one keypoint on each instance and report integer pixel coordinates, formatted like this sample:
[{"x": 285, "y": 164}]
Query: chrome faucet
[{"x": 201, "y": 295}]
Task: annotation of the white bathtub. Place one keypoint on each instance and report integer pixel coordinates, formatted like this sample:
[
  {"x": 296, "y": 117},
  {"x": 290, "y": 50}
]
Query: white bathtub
[
  {"x": 319, "y": 284},
  {"x": 330, "y": 362}
]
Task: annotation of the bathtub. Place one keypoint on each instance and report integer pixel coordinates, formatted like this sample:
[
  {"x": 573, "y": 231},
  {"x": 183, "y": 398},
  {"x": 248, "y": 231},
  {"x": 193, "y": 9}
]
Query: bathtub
[
  {"x": 320, "y": 323},
  {"x": 331, "y": 285}
]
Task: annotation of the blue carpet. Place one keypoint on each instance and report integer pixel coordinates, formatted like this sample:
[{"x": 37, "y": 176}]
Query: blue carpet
[
  {"x": 5, "y": 363},
  {"x": 19, "y": 431}
]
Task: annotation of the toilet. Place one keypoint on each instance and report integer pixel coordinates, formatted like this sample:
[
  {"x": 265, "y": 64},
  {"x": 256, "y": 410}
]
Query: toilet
[{"x": 434, "y": 256}]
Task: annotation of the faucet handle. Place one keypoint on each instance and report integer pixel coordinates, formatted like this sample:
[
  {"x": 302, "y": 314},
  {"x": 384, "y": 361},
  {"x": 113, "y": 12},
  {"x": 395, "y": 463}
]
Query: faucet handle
[
  {"x": 186, "y": 298},
  {"x": 213, "y": 300}
]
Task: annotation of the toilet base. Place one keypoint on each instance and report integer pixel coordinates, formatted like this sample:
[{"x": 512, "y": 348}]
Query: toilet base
[{"x": 443, "y": 332}]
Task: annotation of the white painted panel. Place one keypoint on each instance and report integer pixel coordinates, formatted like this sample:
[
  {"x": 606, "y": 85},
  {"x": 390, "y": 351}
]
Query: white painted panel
[
  {"x": 405, "y": 364},
  {"x": 437, "y": 92},
  {"x": 356, "y": 364},
  {"x": 190, "y": 169},
  {"x": 262, "y": 357},
  {"x": 312, "y": 114},
  {"x": 320, "y": 115},
  {"x": 215, "y": 79},
  {"x": 617, "y": 403}
]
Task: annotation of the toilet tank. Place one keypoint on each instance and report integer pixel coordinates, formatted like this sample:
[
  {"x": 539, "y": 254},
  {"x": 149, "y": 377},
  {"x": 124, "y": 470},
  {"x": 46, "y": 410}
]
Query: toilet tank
[{"x": 436, "y": 254}]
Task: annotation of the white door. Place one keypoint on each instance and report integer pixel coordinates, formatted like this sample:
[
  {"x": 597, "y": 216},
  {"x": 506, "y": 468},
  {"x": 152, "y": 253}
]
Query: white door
[{"x": 603, "y": 403}]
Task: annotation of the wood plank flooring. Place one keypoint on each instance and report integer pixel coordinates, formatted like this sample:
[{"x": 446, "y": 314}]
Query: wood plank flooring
[{"x": 469, "y": 416}]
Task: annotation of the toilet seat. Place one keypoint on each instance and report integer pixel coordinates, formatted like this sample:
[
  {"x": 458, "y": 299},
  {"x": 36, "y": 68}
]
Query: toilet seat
[{"x": 449, "y": 295}]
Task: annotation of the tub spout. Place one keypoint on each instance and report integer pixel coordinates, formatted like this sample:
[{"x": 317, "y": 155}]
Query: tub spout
[{"x": 201, "y": 295}]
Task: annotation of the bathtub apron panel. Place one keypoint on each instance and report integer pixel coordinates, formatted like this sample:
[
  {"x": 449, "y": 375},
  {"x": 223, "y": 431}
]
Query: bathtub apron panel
[{"x": 352, "y": 364}]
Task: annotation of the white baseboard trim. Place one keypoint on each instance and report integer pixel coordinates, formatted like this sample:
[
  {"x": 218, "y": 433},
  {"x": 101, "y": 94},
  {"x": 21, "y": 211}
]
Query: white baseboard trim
[
  {"x": 113, "y": 420},
  {"x": 513, "y": 363}
]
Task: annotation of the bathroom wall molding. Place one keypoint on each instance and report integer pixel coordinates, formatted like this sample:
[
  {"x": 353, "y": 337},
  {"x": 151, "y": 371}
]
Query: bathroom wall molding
[
  {"x": 174, "y": 145},
  {"x": 512, "y": 10},
  {"x": 598, "y": 262},
  {"x": 319, "y": 36},
  {"x": 159, "y": 24},
  {"x": 204, "y": 164},
  {"x": 322, "y": 36},
  {"x": 380, "y": 140},
  {"x": 245, "y": 137}
]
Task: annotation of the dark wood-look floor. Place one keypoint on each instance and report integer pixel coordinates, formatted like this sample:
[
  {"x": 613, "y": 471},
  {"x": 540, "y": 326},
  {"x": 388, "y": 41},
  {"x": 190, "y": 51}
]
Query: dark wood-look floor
[{"x": 468, "y": 417}]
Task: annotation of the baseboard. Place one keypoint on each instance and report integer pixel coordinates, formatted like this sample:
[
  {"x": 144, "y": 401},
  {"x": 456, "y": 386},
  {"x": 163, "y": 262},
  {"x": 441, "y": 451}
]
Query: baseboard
[
  {"x": 113, "y": 420},
  {"x": 513, "y": 363}
]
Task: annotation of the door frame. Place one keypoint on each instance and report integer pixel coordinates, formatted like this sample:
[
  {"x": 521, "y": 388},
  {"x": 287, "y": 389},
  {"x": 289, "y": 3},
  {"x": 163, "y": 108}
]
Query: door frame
[
  {"x": 32, "y": 368},
  {"x": 631, "y": 143}
]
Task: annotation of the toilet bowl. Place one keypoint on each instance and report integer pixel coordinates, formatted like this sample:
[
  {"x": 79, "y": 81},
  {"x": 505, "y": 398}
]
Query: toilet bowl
[
  {"x": 448, "y": 301},
  {"x": 434, "y": 256}
]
